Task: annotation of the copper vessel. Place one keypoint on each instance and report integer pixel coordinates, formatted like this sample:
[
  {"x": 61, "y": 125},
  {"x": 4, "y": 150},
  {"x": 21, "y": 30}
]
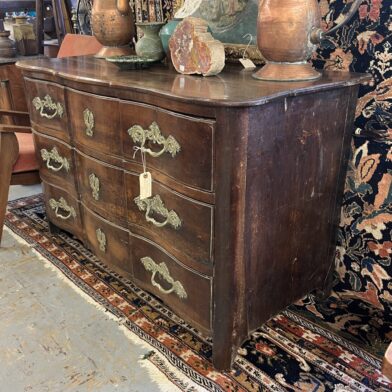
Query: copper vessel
[
  {"x": 287, "y": 34},
  {"x": 113, "y": 26}
]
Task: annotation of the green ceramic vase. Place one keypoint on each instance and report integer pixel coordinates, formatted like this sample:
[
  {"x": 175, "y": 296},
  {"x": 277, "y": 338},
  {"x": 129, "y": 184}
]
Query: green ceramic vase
[
  {"x": 150, "y": 44},
  {"x": 166, "y": 33}
]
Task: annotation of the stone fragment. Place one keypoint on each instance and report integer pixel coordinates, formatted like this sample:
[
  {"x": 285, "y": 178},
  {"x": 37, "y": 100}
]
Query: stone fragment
[{"x": 194, "y": 50}]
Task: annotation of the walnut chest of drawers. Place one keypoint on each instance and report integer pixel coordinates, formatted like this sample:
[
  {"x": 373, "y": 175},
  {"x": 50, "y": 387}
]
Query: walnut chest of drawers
[{"x": 247, "y": 180}]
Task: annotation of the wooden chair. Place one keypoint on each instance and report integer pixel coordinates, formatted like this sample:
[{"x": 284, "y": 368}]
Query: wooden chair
[
  {"x": 79, "y": 45},
  {"x": 387, "y": 363},
  {"x": 18, "y": 164}
]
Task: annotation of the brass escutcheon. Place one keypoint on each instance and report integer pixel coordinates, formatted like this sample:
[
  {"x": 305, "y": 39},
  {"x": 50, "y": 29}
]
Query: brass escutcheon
[
  {"x": 89, "y": 122},
  {"x": 101, "y": 238},
  {"x": 94, "y": 185}
]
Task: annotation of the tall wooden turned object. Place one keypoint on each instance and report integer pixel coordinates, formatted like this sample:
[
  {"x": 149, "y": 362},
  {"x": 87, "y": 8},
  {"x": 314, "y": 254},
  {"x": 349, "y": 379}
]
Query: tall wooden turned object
[{"x": 247, "y": 182}]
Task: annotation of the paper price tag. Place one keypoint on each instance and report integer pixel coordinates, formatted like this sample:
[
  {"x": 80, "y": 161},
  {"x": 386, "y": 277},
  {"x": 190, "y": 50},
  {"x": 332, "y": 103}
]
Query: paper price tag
[
  {"x": 247, "y": 63},
  {"x": 145, "y": 181}
]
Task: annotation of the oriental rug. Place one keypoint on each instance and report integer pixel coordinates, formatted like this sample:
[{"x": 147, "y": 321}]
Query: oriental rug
[{"x": 301, "y": 349}]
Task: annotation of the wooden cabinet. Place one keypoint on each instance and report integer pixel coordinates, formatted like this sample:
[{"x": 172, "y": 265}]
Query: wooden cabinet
[{"x": 247, "y": 181}]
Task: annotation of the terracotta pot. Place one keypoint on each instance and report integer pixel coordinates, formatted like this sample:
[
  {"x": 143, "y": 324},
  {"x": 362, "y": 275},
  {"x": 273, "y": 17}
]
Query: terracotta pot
[
  {"x": 287, "y": 34},
  {"x": 113, "y": 26}
]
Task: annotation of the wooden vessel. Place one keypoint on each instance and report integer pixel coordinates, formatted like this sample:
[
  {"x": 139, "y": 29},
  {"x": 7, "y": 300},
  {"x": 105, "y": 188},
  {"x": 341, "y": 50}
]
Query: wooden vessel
[
  {"x": 7, "y": 47},
  {"x": 25, "y": 37}
]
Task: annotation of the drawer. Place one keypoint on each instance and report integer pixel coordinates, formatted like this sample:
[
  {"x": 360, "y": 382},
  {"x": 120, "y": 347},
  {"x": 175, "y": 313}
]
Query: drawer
[
  {"x": 102, "y": 188},
  {"x": 173, "y": 221},
  {"x": 56, "y": 163},
  {"x": 178, "y": 146},
  {"x": 108, "y": 242},
  {"x": 47, "y": 107},
  {"x": 63, "y": 210},
  {"x": 95, "y": 121},
  {"x": 184, "y": 290}
]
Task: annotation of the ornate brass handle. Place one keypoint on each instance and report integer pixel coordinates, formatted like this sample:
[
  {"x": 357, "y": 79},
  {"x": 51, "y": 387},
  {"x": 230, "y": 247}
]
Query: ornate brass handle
[
  {"x": 89, "y": 122},
  {"x": 153, "y": 134},
  {"x": 95, "y": 186},
  {"x": 61, "y": 204},
  {"x": 49, "y": 156},
  {"x": 101, "y": 238},
  {"x": 47, "y": 103},
  {"x": 155, "y": 205},
  {"x": 161, "y": 269}
]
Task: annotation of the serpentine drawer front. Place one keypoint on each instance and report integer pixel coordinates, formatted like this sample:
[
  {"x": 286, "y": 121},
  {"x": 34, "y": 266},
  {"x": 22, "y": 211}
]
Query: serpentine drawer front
[
  {"x": 108, "y": 241},
  {"x": 95, "y": 121},
  {"x": 63, "y": 210},
  {"x": 47, "y": 107},
  {"x": 179, "y": 146},
  {"x": 247, "y": 179},
  {"x": 179, "y": 224},
  {"x": 102, "y": 188},
  {"x": 56, "y": 162},
  {"x": 180, "y": 287}
]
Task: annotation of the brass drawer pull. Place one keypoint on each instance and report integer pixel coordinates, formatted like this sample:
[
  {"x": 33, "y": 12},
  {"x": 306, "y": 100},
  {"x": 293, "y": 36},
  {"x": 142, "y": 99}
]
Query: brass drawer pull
[
  {"x": 61, "y": 204},
  {"x": 49, "y": 156},
  {"x": 155, "y": 205},
  {"x": 153, "y": 134},
  {"x": 95, "y": 186},
  {"x": 89, "y": 121},
  {"x": 101, "y": 238},
  {"x": 47, "y": 104},
  {"x": 161, "y": 269}
]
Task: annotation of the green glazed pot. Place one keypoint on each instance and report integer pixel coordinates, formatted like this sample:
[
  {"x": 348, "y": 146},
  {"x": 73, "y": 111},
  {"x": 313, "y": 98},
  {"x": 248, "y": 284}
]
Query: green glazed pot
[
  {"x": 150, "y": 44},
  {"x": 166, "y": 33}
]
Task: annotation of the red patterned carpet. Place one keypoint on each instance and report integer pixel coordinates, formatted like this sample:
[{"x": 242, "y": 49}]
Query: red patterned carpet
[{"x": 298, "y": 350}]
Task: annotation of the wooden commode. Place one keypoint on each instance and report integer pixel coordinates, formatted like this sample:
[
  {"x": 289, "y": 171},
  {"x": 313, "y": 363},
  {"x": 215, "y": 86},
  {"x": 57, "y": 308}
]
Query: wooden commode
[{"x": 247, "y": 181}]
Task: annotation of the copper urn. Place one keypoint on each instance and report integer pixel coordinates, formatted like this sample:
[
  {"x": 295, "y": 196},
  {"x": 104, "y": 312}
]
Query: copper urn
[
  {"x": 287, "y": 34},
  {"x": 113, "y": 26}
]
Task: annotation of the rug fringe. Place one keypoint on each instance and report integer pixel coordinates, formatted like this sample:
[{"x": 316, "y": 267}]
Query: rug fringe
[
  {"x": 160, "y": 378},
  {"x": 163, "y": 383}
]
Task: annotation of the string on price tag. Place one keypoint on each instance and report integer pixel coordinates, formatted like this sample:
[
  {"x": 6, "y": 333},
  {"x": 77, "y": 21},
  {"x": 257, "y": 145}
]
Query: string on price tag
[
  {"x": 247, "y": 63},
  {"x": 145, "y": 179}
]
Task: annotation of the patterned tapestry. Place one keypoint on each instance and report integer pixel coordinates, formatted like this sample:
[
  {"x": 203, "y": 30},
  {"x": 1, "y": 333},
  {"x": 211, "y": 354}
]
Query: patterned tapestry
[
  {"x": 364, "y": 251},
  {"x": 155, "y": 10},
  {"x": 365, "y": 247}
]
